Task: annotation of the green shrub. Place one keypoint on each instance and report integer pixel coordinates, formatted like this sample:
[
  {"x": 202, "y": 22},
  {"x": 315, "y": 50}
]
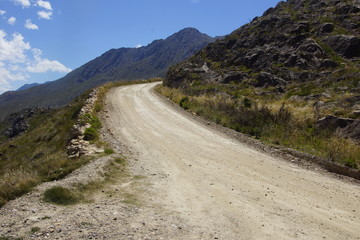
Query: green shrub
[
  {"x": 247, "y": 102},
  {"x": 60, "y": 195},
  {"x": 95, "y": 122},
  {"x": 121, "y": 161},
  {"x": 35, "y": 229},
  {"x": 351, "y": 163},
  {"x": 185, "y": 103},
  {"x": 108, "y": 151},
  {"x": 90, "y": 134}
]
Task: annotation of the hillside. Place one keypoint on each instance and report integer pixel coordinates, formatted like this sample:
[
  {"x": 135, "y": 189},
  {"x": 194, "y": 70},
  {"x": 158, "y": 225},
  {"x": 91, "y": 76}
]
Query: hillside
[
  {"x": 116, "y": 64},
  {"x": 277, "y": 76},
  {"x": 297, "y": 41},
  {"x": 27, "y": 86},
  {"x": 33, "y": 148}
]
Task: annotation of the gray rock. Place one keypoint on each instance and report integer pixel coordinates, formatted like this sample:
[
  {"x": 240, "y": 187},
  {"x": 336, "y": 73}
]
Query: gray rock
[
  {"x": 327, "y": 63},
  {"x": 234, "y": 77},
  {"x": 268, "y": 79},
  {"x": 345, "y": 45},
  {"x": 295, "y": 98},
  {"x": 347, "y": 9},
  {"x": 333, "y": 122},
  {"x": 327, "y": 28},
  {"x": 352, "y": 130}
]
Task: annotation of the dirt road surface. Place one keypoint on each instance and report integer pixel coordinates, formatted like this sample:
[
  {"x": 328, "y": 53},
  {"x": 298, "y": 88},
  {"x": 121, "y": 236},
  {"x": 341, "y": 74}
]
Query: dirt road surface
[
  {"x": 222, "y": 188},
  {"x": 186, "y": 180}
]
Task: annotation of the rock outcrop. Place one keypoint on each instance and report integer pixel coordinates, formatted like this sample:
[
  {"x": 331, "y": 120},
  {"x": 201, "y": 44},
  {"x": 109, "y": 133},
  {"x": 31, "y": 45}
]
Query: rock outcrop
[
  {"x": 18, "y": 123},
  {"x": 344, "y": 127},
  {"x": 297, "y": 41},
  {"x": 78, "y": 146}
]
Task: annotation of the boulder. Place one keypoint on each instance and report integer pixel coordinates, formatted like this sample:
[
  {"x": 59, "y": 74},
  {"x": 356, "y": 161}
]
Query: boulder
[
  {"x": 327, "y": 63},
  {"x": 347, "y": 9},
  {"x": 234, "y": 77},
  {"x": 345, "y": 45},
  {"x": 327, "y": 28},
  {"x": 295, "y": 98},
  {"x": 333, "y": 122},
  {"x": 268, "y": 79},
  {"x": 352, "y": 130}
]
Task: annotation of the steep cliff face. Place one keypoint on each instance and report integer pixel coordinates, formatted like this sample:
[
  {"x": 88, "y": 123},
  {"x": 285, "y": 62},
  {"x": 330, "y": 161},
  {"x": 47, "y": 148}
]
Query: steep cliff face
[{"x": 296, "y": 41}]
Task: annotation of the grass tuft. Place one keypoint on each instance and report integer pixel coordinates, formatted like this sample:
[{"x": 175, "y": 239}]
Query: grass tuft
[
  {"x": 109, "y": 151},
  {"x": 34, "y": 230},
  {"x": 61, "y": 196}
]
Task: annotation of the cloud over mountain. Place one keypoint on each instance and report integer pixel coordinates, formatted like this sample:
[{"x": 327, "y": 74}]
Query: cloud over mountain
[{"x": 18, "y": 59}]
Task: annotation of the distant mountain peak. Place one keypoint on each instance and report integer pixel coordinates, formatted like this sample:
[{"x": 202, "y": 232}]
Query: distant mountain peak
[{"x": 190, "y": 30}]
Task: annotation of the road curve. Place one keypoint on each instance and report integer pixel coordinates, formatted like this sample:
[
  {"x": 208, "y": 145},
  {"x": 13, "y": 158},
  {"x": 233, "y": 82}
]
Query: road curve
[{"x": 222, "y": 188}]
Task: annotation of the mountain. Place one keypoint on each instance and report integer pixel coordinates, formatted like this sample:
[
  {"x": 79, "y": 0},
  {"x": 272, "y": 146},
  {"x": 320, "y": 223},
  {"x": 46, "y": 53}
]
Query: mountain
[
  {"x": 297, "y": 41},
  {"x": 116, "y": 64},
  {"x": 27, "y": 86},
  {"x": 290, "y": 78}
]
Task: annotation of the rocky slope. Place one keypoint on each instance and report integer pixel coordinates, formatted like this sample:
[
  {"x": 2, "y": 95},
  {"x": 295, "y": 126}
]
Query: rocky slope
[
  {"x": 18, "y": 123},
  {"x": 116, "y": 64},
  {"x": 297, "y": 41},
  {"x": 290, "y": 78}
]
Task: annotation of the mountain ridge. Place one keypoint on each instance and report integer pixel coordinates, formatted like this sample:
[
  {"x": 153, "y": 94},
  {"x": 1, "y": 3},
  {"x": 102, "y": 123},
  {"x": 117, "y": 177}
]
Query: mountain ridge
[
  {"x": 27, "y": 86},
  {"x": 125, "y": 64}
]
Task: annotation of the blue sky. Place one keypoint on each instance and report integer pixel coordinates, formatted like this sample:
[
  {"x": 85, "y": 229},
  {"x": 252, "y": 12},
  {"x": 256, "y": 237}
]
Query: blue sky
[{"x": 42, "y": 40}]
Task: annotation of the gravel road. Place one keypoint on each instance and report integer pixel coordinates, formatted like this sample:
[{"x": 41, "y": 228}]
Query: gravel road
[
  {"x": 186, "y": 180},
  {"x": 221, "y": 187}
]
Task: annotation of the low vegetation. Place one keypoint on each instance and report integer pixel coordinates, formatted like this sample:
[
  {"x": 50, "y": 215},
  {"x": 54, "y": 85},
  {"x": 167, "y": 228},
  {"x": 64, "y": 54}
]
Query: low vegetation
[
  {"x": 62, "y": 196},
  {"x": 9, "y": 238},
  {"x": 39, "y": 154},
  {"x": 272, "y": 118},
  {"x": 115, "y": 170}
]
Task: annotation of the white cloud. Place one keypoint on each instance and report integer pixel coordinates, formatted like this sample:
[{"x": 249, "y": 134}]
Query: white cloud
[
  {"x": 44, "y": 4},
  {"x": 42, "y": 65},
  {"x": 12, "y": 20},
  {"x": 138, "y": 46},
  {"x": 46, "y": 65},
  {"x": 18, "y": 59},
  {"x": 12, "y": 53},
  {"x": 30, "y": 25},
  {"x": 13, "y": 49},
  {"x": 2, "y": 12},
  {"x": 23, "y": 3},
  {"x": 44, "y": 14}
]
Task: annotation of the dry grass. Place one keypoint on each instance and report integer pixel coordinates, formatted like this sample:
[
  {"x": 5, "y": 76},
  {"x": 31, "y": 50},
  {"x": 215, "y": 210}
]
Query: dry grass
[
  {"x": 39, "y": 155},
  {"x": 290, "y": 125}
]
